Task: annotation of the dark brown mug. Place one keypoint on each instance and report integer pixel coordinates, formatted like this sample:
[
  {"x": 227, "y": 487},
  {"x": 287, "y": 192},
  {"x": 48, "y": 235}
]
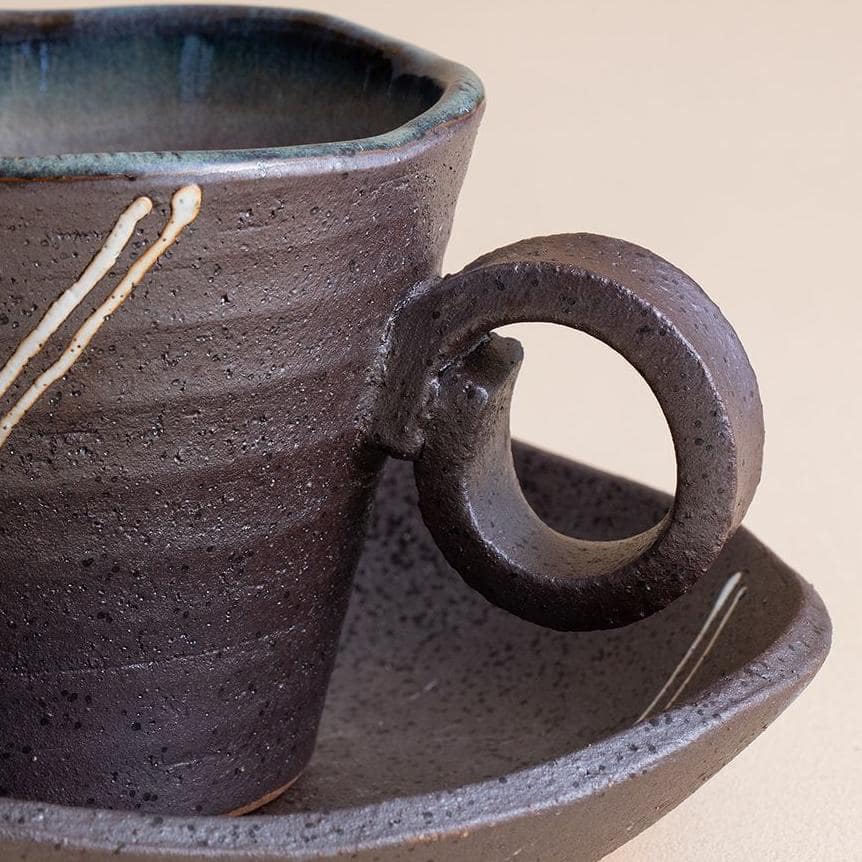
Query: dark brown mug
[{"x": 216, "y": 324}]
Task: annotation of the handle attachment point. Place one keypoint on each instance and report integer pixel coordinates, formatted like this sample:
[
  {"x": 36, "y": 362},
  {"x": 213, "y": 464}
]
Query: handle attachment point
[{"x": 447, "y": 408}]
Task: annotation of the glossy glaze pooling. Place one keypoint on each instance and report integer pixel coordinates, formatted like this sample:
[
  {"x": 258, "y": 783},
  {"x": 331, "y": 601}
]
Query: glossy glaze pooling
[{"x": 241, "y": 89}]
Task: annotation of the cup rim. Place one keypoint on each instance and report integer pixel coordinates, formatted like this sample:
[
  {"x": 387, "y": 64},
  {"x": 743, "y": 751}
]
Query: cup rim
[{"x": 461, "y": 96}]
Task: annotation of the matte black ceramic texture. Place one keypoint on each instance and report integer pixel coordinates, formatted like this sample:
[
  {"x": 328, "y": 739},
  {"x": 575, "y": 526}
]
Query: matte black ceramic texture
[
  {"x": 455, "y": 732},
  {"x": 213, "y": 336}
]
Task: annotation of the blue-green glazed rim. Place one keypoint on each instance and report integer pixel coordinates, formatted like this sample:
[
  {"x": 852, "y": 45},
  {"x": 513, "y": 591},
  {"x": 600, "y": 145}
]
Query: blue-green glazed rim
[{"x": 462, "y": 95}]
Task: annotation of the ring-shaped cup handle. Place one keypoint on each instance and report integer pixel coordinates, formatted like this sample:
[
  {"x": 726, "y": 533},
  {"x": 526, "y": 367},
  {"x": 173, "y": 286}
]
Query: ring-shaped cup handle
[{"x": 447, "y": 388}]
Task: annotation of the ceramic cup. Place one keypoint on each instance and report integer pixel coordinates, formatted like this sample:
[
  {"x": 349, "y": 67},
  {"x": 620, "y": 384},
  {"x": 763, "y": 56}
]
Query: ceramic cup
[{"x": 220, "y": 310}]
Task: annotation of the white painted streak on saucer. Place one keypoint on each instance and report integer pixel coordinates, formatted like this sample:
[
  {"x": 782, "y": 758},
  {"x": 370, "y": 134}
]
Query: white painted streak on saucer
[
  {"x": 708, "y": 649},
  {"x": 185, "y": 206},
  {"x": 72, "y": 297},
  {"x": 721, "y": 600}
]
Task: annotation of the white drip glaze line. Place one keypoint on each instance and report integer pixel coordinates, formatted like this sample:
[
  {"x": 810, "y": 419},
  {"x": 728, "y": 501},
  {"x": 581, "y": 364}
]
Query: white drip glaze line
[
  {"x": 72, "y": 297},
  {"x": 721, "y": 600},
  {"x": 185, "y": 206}
]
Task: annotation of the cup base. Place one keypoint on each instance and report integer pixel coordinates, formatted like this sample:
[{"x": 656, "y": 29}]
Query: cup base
[{"x": 263, "y": 800}]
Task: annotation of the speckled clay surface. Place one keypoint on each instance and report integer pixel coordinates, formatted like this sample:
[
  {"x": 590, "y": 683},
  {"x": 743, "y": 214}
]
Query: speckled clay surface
[
  {"x": 182, "y": 510},
  {"x": 455, "y": 732},
  {"x": 213, "y": 335}
]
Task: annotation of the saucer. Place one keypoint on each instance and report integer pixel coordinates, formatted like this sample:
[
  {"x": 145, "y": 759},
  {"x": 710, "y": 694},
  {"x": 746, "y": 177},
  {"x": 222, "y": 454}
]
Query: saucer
[{"x": 454, "y": 732}]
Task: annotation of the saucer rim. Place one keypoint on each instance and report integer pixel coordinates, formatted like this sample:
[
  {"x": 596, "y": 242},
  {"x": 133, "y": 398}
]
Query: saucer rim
[{"x": 774, "y": 676}]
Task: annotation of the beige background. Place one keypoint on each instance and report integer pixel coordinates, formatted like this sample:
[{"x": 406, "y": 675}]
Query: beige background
[{"x": 728, "y": 138}]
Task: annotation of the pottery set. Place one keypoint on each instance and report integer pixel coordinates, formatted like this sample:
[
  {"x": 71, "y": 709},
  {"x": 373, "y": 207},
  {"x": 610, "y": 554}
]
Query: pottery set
[{"x": 221, "y": 312}]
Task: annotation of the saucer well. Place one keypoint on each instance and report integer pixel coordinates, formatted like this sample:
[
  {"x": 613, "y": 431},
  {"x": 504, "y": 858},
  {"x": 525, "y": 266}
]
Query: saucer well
[{"x": 455, "y": 732}]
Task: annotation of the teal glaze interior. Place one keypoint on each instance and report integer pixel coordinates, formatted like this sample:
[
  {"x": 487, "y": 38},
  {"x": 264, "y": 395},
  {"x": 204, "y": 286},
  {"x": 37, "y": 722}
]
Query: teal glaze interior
[{"x": 120, "y": 82}]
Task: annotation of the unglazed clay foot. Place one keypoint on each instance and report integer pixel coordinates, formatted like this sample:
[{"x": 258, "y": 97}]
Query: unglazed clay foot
[{"x": 264, "y": 800}]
